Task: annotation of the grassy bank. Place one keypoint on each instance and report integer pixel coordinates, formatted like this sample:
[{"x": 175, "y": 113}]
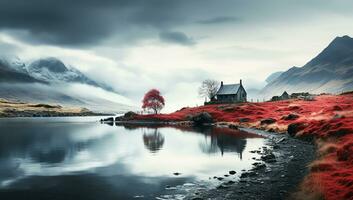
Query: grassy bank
[
  {"x": 327, "y": 120},
  {"x": 20, "y": 109}
]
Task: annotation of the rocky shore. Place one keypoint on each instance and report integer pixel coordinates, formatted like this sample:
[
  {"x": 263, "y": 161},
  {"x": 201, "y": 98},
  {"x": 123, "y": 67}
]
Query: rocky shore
[
  {"x": 326, "y": 121},
  {"x": 276, "y": 175}
]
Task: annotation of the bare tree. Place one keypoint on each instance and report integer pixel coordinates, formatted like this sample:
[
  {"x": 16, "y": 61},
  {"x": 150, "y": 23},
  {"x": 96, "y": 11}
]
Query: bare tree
[{"x": 208, "y": 88}]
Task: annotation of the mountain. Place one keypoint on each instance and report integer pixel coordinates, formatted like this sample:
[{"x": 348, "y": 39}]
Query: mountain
[
  {"x": 330, "y": 71},
  {"x": 273, "y": 76},
  {"x": 14, "y": 74},
  {"x": 49, "y": 80},
  {"x": 55, "y": 71}
]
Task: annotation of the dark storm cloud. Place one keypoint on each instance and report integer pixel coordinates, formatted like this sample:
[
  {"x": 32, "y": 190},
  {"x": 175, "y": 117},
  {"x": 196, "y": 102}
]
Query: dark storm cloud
[
  {"x": 218, "y": 20},
  {"x": 177, "y": 37},
  {"x": 88, "y": 22},
  {"x": 83, "y": 22}
]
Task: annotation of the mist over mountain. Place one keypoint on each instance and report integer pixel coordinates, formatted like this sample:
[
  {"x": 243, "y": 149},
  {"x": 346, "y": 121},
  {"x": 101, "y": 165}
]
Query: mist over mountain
[
  {"x": 49, "y": 80},
  {"x": 331, "y": 71},
  {"x": 273, "y": 77}
]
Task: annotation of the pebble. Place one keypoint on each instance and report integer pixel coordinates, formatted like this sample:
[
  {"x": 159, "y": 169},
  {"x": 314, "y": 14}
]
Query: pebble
[
  {"x": 222, "y": 186},
  {"x": 232, "y": 172}
]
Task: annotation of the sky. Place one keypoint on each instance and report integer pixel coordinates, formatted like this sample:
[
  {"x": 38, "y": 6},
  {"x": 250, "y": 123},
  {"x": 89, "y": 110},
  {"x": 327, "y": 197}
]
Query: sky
[{"x": 172, "y": 45}]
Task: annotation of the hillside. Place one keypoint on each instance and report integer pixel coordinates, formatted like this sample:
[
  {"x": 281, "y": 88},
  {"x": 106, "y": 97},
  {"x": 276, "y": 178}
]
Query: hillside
[
  {"x": 20, "y": 109},
  {"x": 10, "y": 75},
  {"x": 51, "y": 81},
  {"x": 331, "y": 71},
  {"x": 327, "y": 120}
]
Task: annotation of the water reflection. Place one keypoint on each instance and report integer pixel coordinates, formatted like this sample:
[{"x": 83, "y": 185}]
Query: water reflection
[
  {"x": 153, "y": 140},
  {"x": 52, "y": 157}
]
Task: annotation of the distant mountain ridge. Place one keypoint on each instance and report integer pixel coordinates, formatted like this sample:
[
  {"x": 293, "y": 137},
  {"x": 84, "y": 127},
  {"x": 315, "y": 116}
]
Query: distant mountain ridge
[
  {"x": 273, "y": 76},
  {"x": 330, "y": 71},
  {"x": 49, "y": 80}
]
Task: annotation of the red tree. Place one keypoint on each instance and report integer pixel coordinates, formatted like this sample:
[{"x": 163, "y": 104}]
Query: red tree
[{"x": 153, "y": 100}]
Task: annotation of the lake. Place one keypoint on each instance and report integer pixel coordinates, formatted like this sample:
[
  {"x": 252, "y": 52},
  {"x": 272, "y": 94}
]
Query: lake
[{"x": 79, "y": 158}]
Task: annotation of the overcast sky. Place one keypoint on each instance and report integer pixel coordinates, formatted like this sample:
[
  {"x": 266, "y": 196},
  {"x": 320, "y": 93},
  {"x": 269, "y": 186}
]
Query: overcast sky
[{"x": 172, "y": 45}]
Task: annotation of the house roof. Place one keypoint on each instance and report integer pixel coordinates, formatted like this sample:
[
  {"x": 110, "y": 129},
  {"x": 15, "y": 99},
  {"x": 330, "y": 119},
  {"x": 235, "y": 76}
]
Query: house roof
[
  {"x": 285, "y": 93},
  {"x": 228, "y": 89}
]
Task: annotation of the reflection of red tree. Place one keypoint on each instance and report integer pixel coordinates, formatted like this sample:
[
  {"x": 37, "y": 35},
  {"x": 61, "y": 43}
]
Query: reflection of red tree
[
  {"x": 153, "y": 100},
  {"x": 153, "y": 141}
]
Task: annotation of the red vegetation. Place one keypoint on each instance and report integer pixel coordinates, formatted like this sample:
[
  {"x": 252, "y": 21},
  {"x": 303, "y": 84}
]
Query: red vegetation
[
  {"x": 328, "y": 119},
  {"x": 153, "y": 100}
]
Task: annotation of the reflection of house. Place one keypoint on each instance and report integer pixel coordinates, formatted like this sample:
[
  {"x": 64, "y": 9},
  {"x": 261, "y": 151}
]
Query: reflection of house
[
  {"x": 230, "y": 93},
  {"x": 228, "y": 143},
  {"x": 222, "y": 142}
]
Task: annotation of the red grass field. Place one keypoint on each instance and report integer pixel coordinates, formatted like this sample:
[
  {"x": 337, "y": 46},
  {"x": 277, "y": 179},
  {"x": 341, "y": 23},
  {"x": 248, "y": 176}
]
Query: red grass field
[{"x": 328, "y": 120}]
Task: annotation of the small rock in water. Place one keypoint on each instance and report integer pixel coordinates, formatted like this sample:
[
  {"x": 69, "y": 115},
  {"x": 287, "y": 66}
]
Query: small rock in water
[
  {"x": 259, "y": 166},
  {"x": 226, "y": 175},
  {"x": 222, "y": 186},
  {"x": 268, "y": 157},
  {"x": 232, "y": 172},
  {"x": 220, "y": 178},
  {"x": 232, "y": 126},
  {"x": 280, "y": 140},
  {"x": 248, "y": 174},
  {"x": 176, "y": 173}
]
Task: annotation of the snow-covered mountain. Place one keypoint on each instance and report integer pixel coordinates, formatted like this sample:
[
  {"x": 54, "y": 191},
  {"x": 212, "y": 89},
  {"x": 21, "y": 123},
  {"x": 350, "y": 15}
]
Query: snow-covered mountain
[
  {"x": 49, "y": 80},
  {"x": 53, "y": 70}
]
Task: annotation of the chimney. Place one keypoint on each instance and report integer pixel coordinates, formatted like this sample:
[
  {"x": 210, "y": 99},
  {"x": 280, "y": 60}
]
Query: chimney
[
  {"x": 221, "y": 83},
  {"x": 241, "y": 82}
]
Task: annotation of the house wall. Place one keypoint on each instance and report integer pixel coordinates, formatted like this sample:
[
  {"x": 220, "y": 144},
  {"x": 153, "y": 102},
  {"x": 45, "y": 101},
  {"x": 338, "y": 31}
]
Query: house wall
[
  {"x": 241, "y": 95},
  {"x": 227, "y": 98}
]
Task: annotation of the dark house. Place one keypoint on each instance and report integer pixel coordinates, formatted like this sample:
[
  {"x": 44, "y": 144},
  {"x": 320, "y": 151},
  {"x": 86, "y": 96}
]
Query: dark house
[
  {"x": 300, "y": 94},
  {"x": 230, "y": 93},
  {"x": 275, "y": 98},
  {"x": 285, "y": 96}
]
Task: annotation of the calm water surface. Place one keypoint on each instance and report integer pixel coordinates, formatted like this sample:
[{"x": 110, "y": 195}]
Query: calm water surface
[{"x": 79, "y": 158}]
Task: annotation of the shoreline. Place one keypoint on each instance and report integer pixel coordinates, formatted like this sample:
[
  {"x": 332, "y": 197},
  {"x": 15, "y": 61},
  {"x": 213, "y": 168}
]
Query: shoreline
[
  {"x": 326, "y": 121},
  {"x": 12, "y": 109},
  {"x": 276, "y": 178},
  {"x": 268, "y": 180},
  {"x": 49, "y": 115}
]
